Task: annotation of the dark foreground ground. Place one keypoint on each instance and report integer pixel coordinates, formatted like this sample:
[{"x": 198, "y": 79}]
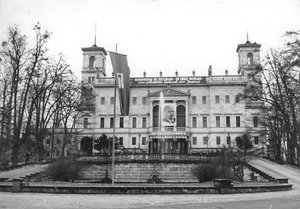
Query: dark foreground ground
[{"x": 275, "y": 200}]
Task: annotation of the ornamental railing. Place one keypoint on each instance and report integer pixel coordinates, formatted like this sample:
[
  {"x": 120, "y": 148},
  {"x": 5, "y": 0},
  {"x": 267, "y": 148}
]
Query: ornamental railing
[{"x": 145, "y": 157}]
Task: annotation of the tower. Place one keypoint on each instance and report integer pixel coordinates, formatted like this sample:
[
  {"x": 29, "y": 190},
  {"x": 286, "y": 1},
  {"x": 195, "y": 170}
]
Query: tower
[
  {"x": 93, "y": 66},
  {"x": 249, "y": 56}
]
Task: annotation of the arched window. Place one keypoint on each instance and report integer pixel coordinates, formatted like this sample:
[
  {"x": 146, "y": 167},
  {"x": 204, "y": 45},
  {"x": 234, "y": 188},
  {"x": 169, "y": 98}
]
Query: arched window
[
  {"x": 92, "y": 62},
  {"x": 180, "y": 112},
  {"x": 250, "y": 59},
  {"x": 156, "y": 116}
]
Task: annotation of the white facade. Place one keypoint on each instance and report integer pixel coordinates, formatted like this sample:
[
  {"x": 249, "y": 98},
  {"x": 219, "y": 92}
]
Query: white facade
[{"x": 209, "y": 114}]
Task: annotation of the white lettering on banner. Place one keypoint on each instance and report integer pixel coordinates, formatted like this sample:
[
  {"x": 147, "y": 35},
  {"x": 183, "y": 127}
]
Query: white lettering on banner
[{"x": 169, "y": 80}]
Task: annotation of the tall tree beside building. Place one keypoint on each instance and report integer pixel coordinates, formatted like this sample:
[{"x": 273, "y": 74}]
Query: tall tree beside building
[
  {"x": 32, "y": 78},
  {"x": 279, "y": 90}
]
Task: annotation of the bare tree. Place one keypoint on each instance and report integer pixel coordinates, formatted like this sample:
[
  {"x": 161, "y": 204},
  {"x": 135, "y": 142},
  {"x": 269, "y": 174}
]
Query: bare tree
[
  {"x": 279, "y": 91},
  {"x": 29, "y": 98}
]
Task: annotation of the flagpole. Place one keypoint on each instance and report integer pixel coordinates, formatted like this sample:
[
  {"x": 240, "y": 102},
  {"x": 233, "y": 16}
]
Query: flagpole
[
  {"x": 114, "y": 136},
  {"x": 114, "y": 132}
]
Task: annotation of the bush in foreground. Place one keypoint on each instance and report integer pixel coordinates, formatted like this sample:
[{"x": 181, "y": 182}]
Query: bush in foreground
[
  {"x": 65, "y": 169},
  {"x": 208, "y": 172}
]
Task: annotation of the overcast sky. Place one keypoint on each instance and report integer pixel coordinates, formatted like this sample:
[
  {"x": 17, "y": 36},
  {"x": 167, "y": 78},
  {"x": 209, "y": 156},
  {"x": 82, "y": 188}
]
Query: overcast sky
[{"x": 157, "y": 35}]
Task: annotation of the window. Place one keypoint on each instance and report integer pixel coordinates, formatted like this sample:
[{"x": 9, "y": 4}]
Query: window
[
  {"x": 217, "y": 99},
  {"x": 238, "y": 121},
  {"x": 103, "y": 100},
  {"x": 250, "y": 59},
  {"x": 227, "y": 121},
  {"x": 91, "y": 62},
  {"x": 155, "y": 119},
  {"x": 121, "y": 122},
  {"x": 133, "y": 140},
  {"x": 227, "y": 99},
  {"x": 194, "y": 122},
  {"x": 237, "y": 98},
  {"x": 144, "y": 122},
  {"x": 121, "y": 141},
  {"x": 144, "y": 140},
  {"x": 194, "y": 140},
  {"x": 218, "y": 122},
  {"x": 204, "y": 122},
  {"x": 102, "y": 120},
  {"x": 256, "y": 140},
  {"x": 144, "y": 100},
  {"x": 218, "y": 140},
  {"x": 180, "y": 113},
  {"x": 85, "y": 122},
  {"x": 134, "y": 100},
  {"x": 111, "y": 122},
  {"x": 133, "y": 122},
  {"x": 255, "y": 121},
  {"x": 228, "y": 140},
  {"x": 205, "y": 140},
  {"x": 203, "y": 99},
  {"x": 194, "y": 100},
  {"x": 112, "y": 100}
]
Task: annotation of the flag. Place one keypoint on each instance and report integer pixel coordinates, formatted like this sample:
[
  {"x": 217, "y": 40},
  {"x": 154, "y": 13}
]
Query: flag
[{"x": 121, "y": 72}]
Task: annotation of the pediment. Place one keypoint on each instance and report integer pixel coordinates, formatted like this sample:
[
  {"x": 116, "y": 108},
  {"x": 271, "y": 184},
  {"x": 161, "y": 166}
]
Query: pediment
[{"x": 169, "y": 92}]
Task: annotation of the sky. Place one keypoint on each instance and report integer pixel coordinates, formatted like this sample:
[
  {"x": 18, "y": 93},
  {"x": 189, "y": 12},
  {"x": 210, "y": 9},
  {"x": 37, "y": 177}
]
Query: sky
[{"x": 156, "y": 35}]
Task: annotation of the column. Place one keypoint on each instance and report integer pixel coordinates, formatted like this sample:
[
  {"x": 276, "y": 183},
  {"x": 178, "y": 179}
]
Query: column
[
  {"x": 175, "y": 126},
  {"x": 188, "y": 145},
  {"x": 151, "y": 116},
  {"x": 186, "y": 114}
]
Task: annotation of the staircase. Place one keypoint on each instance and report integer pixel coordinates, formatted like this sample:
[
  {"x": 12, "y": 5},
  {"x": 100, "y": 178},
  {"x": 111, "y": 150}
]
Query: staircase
[
  {"x": 260, "y": 172},
  {"x": 23, "y": 172}
]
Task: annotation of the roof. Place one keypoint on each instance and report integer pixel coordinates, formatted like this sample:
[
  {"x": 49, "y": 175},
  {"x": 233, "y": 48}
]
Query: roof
[
  {"x": 248, "y": 44},
  {"x": 94, "y": 48}
]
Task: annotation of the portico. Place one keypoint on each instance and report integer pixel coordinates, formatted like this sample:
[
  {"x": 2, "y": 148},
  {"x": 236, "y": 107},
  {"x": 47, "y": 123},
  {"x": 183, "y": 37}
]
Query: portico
[{"x": 173, "y": 138}]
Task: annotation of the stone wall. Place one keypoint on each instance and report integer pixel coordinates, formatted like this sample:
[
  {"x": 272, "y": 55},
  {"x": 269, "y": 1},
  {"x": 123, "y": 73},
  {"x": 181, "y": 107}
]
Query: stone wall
[{"x": 142, "y": 172}]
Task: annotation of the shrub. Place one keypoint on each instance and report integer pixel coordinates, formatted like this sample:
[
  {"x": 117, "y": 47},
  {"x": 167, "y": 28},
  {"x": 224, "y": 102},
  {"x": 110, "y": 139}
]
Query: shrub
[
  {"x": 64, "y": 169},
  {"x": 208, "y": 172}
]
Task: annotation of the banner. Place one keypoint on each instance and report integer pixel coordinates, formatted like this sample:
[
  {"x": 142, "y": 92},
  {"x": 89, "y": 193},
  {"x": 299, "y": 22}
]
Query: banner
[
  {"x": 168, "y": 114},
  {"x": 121, "y": 72}
]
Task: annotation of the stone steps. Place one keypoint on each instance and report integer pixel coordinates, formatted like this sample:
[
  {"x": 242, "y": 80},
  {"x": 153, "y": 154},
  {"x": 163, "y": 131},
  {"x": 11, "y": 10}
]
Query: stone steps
[{"x": 141, "y": 172}]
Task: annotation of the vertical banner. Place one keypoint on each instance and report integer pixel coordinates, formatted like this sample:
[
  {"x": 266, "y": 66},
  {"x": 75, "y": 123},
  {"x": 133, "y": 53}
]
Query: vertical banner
[
  {"x": 121, "y": 72},
  {"x": 168, "y": 117}
]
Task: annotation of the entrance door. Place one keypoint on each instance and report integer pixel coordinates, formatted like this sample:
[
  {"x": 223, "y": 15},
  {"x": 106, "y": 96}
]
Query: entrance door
[
  {"x": 168, "y": 145},
  {"x": 182, "y": 146},
  {"x": 155, "y": 146}
]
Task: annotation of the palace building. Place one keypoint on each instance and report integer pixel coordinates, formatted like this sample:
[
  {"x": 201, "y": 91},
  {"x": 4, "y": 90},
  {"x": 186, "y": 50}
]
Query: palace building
[{"x": 206, "y": 112}]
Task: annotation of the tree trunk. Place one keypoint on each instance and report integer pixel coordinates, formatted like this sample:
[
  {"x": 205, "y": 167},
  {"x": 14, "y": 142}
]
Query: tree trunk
[{"x": 15, "y": 155}]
